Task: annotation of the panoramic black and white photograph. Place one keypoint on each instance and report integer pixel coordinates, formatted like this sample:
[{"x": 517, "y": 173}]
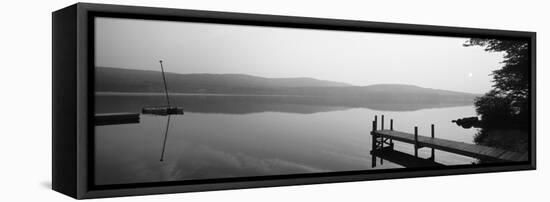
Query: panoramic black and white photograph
[{"x": 179, "y": 101}]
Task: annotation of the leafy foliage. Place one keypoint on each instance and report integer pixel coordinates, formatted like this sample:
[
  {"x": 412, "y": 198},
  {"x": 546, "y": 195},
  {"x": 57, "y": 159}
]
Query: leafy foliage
[
  {"x": 508, "y": 102},
  {"x": 495, "y": 109}
]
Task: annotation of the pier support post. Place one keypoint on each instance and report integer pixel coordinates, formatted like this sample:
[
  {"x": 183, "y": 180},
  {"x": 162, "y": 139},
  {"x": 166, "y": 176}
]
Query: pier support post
[
  {"x": 373, "y": 134},
  {"x": 382, "y": 123},
  {"x": 416, "y": 141},
  {"x": 373, "y": 143},
  {"x": 433, "y": 150},
  {"x": 391, "y": 128},
  {"x": 373, "y": 160}
]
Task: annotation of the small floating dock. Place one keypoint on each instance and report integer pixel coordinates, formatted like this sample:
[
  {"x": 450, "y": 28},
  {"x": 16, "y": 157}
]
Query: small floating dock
[
  {"x": 116, "y": 118},
  {"x": 382, "y": 146}
]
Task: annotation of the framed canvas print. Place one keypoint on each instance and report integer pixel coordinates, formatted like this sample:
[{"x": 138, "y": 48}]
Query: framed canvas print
[{"x": 154, "y": 100}]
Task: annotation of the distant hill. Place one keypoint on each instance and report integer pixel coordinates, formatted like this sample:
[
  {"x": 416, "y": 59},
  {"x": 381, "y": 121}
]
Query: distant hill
[
  {"x": 402, "y": 88},
  {"x": 126, "y": 80}
]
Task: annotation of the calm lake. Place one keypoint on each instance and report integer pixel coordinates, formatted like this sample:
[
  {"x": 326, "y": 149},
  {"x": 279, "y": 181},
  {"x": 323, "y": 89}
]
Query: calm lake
[{"x": 222, "y": 136}]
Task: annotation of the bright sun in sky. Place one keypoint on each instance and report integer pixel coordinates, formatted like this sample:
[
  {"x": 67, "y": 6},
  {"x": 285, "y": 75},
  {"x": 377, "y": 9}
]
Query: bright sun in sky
[{"x": 470, "y": 74}]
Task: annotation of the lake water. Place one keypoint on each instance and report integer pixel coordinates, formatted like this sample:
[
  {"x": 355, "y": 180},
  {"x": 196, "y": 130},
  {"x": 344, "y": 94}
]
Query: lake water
[{"x": 238, "y": 136}]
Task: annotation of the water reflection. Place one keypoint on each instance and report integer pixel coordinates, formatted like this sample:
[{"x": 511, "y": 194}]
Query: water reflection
[
  {"x": 221, "y": 137},
  {"x": 165, "y": 137},
  {"x": 231, "y": 104},
  {"x": 401, "y": 158}
]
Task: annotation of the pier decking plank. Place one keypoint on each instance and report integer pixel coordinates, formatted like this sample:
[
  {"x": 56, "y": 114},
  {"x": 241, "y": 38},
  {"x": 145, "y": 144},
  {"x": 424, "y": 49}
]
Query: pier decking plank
[{"x": 471, "y": 150}]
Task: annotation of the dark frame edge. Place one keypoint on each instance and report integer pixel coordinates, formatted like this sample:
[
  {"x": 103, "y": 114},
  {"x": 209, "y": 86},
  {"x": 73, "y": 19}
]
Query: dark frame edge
[
  {"x": 84, "y": 114},
  {"x": 304, "y": 22},
  {"x": 64, "y": 145},
  {"x": 533, "y": 92},
  {"x": 297, "y": 181}
]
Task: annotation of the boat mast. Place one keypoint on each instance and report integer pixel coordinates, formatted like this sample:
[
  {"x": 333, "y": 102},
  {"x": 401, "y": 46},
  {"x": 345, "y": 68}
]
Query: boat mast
[{"x": 165, "y": 86}]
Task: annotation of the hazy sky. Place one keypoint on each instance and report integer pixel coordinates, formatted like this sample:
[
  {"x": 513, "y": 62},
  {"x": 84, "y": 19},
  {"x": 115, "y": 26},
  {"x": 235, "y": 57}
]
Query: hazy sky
[{"x": 356, "y": 58}]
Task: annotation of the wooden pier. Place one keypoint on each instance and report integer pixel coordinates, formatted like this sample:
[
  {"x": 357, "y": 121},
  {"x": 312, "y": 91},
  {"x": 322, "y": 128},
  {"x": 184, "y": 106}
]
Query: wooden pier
[
  {"x": 382, "y": 146},
  {"x": 116, "y": 118}
]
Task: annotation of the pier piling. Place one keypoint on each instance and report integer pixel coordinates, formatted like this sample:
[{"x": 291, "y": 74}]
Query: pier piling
[
  {"x": 373, "y": 140},
  {"x": 416, "y": 141},
  {"x": 382, "y": 123},
  {"x": 433, "y": 150}
]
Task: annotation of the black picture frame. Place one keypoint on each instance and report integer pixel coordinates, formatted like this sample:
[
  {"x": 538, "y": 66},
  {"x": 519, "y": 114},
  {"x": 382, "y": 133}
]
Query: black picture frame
[{"x": 73, "y": 91}]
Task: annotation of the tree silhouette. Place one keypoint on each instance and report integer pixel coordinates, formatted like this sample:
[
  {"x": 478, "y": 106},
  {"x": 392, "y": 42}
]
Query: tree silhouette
[{"x": 508, "y": 102}]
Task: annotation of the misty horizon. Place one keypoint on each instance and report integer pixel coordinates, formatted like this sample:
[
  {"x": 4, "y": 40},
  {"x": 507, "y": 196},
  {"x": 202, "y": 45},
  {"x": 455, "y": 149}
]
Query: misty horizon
[{"x": 341, "y": 83}]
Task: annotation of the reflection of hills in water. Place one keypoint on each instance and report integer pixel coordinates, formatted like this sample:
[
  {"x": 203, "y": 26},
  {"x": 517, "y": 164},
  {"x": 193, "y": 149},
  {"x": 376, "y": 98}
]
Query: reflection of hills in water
[{"x": 232, "y": 104}]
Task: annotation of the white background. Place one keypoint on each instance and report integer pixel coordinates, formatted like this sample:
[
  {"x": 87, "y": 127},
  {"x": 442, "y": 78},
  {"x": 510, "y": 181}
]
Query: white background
[{"x": 25, "y": 126}]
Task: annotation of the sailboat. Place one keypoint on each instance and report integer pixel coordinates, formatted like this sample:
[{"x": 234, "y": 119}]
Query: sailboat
[{"x": 163, "y": 110}]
